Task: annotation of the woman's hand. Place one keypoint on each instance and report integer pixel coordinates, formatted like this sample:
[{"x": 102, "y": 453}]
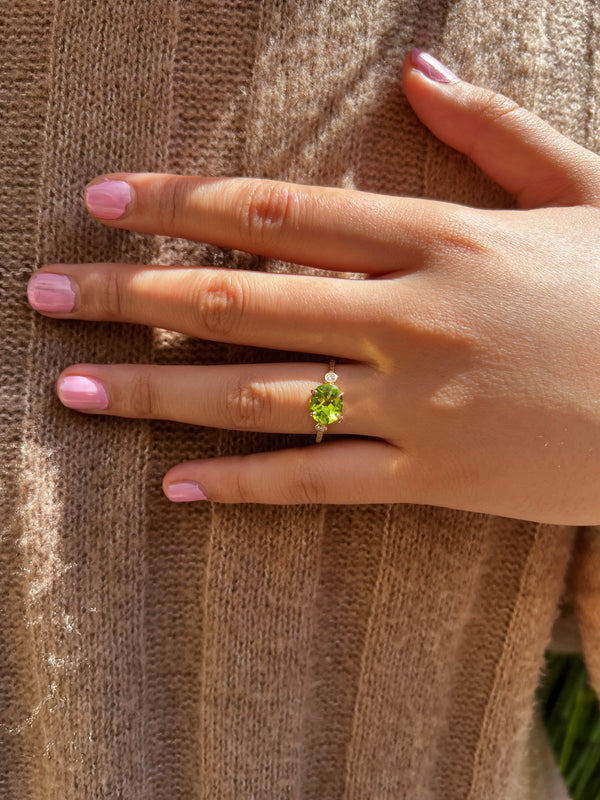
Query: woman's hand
[{"x": 469, "y": 359}]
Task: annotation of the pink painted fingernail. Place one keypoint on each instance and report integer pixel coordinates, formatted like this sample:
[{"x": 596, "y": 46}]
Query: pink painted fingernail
[
  {"x": 109, "y": 199},
  {"x": 50, "y": 292},
  {"x": 81, "y": 393},
  {"x": 185, "y": 492},
  {"x": 431, "y": 67}
]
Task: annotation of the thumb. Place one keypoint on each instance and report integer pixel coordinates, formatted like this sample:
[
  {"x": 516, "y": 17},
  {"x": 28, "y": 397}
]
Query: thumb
[{"x": 521, "y": 152}]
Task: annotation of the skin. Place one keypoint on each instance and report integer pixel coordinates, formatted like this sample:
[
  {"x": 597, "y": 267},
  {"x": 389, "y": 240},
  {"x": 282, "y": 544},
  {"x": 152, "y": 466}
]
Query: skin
[{"x": 469, "y": 357}]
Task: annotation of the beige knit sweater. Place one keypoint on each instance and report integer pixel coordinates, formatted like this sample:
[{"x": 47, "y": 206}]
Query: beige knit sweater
[{"x": 153, "y": 651}]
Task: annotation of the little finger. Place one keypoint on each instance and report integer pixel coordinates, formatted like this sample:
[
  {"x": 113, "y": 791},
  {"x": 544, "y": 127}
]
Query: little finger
[{"x": 344, "y": 471}]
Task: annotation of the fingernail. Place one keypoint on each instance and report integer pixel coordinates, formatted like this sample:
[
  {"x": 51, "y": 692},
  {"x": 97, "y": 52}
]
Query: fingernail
[
  {"x": 431, "y": 67},
  {"x": 185, "y": 492},
  {"x": 109, "y": 199},
  {"x": 76, "y": 391},
  {"x": 50, "y": 292}
]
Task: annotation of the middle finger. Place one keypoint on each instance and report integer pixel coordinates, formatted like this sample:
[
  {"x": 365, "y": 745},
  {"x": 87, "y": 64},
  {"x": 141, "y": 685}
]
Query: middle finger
[{"x": 283, "y": 312}]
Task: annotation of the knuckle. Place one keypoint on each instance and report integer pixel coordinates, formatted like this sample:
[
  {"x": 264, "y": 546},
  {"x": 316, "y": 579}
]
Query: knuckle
[
  {"x": 143, "y": 399},
  {"x": 219, "y": 305},
  {"x": 112, "y": 297},
  {"x": 493, "y": 107},
  {"x": 266, "y": 209},
  {"x": 248, "y": 405},
  {"x": 245, "y": 489},
  {"x": 171, "y": 200},
  {"x": 308, "y": 484}
]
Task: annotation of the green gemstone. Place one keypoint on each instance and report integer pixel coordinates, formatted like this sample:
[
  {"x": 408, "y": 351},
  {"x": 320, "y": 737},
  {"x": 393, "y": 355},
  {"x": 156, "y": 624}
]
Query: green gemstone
[{"x": 326, "y": 404}]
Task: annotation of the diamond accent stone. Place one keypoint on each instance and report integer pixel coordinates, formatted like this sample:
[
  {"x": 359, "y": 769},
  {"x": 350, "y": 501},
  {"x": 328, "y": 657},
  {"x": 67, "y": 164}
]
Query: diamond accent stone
[{"x": 331, "y": 377}]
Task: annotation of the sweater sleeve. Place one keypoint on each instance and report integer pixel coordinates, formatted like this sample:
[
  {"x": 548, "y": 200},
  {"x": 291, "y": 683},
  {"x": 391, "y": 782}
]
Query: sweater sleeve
[{"x": 586, "y": 588}]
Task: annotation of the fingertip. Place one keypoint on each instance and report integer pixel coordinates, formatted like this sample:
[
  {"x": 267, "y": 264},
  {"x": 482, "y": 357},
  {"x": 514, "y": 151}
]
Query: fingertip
[
  {"x": 181, "y": 484},
  {"x": 82, "y": 392},
  {"x": 109, "y": 197},
  {"x": 420, "y": 63},
  {"x": 183, "y": 491},
  {"x": 126, "y": 177},
  {"x": 52, "y": 293}
]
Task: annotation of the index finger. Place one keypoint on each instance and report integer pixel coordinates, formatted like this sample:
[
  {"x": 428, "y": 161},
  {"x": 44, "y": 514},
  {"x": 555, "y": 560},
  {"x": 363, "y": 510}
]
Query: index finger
[{"x": 326, "y": 227}]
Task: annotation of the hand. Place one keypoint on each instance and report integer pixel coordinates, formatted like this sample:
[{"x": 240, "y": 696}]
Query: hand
[{"x": 469, "y": 358}]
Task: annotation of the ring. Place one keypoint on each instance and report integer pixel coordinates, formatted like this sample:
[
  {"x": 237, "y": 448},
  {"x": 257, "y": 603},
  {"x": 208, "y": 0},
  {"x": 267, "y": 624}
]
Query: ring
[{"x": 326, "y": 402}]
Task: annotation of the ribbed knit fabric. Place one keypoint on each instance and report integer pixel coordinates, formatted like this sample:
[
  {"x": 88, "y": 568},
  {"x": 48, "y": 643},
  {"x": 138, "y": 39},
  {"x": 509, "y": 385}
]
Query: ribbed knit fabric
[{"x": 155, "y": 651}]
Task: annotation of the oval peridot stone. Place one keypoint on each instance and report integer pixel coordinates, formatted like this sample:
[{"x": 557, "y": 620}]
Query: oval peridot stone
[{"x": 326, "y": 404}]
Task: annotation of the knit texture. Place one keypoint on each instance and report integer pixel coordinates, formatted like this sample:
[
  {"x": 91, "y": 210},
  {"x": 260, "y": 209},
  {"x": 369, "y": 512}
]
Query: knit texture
[{"x": 164, "y": 651}]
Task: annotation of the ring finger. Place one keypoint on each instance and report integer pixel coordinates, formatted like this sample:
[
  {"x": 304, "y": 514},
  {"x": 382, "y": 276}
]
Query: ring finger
[{"x": 273, "y": 398}]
